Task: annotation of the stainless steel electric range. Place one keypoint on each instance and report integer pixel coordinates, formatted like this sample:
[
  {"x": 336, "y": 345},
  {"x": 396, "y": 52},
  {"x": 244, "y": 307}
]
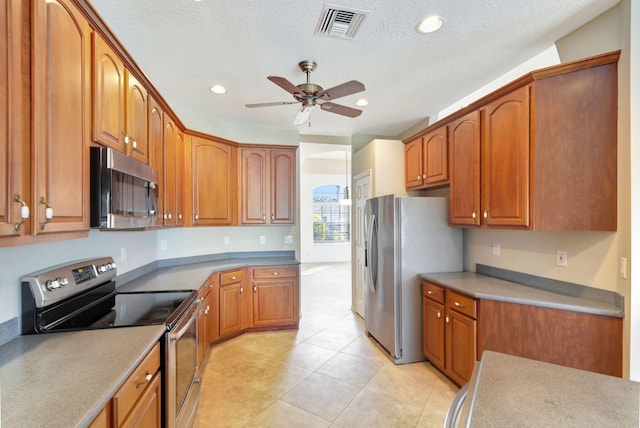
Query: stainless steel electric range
[{"x": 82, "y": 295}]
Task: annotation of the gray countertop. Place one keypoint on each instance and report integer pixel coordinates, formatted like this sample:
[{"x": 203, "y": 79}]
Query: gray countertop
[
  {"x": 490, "y": 288},
  {"x": 192, "y": 276},
  {"x": 508, "y": 391},
  {"x": 65, "y": 379}
]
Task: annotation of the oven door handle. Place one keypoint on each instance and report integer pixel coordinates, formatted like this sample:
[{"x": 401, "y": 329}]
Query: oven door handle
[{"x": 191, "y": 313}]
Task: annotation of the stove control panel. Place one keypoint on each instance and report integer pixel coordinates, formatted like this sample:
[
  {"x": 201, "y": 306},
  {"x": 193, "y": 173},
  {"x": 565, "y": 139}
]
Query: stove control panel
[{"x": 61, "y": 282}]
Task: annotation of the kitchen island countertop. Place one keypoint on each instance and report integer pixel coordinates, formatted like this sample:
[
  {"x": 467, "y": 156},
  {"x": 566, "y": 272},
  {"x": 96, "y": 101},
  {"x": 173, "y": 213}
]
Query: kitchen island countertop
[
  {"x": 65, "y": 379},
  {"x": 510, "y": 391},
  {"x": 191, "y": 276}
]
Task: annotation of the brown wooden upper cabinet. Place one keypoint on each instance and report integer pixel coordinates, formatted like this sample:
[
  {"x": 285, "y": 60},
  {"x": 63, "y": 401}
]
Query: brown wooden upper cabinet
[
  {"x": 61, "y": 109},
  {"x": 426, "y": 162},
  {"x": 155, "y": 134},
  {"x": 173, "y": 174},
  {"x": 120, "y": 104},
  {"x": 541, "y": 152},
  {"x": 214, "y": 185},
  {"x": 267, "y": 185}
]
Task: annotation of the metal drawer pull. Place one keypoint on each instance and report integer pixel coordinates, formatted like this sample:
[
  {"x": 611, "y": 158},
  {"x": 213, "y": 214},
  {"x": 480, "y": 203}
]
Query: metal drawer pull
[
  {"x": 48, "y": 212},
  {"x": 275, "y": 273},
  {"x": 146, "y": 380},
  {"x": 24, "y": 212},
  {"x": 234, "y": 277},
  {"x": 458, "y": 304},
  {"x": 486, "y": 213},
  {"x": 439, "y": 314},
  {"x": 429, "y": 292}
]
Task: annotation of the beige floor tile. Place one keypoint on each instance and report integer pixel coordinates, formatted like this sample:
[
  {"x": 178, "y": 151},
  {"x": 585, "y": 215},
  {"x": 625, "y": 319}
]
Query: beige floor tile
[
  {"x": 352, "y": 370},
  {"x": 414, "y": 382},
  {"x": 366, "y": 347},
  {"x": 372, "y": 409},
  {"x": 321, "y": 395},
  {"x": 332, "y": 339},
  {"x": 283, "y": 415},
  {"x": 307, "y": 356}
]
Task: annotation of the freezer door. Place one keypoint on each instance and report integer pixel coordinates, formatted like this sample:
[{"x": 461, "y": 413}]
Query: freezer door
[{"x": 380, "y": 293}]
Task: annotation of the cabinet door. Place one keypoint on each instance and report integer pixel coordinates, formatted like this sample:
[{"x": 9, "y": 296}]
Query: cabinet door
[
  {"x": 147, "y": 412},
  {"x": 433, "y": 330},
  {"x": 275, "y": 302},
  {"x": 136, "y": 120},
  {"x": 230, "y": 310},
  {"x": 156, "y": 150},
  {"x": 283, "y": 186},
  {"x": 170, "y": 171},
  {"x": 14, "y": 116},
  {"x": 505, "y": 160},
  {"x": 61, "y": 116},
  {"x": 212, "y": 330},
  {"x": 181, "y": 142},
  {"x": 434, "y": 163},
  {"x": 464, "y": 158},
  {"x": 460, "y": 339},
  {"x": 212, "y": 172},
  {"x": 108, "y": 96},
  {"x": 413, "y": 164},
  {"x": 253, "y": 186}
]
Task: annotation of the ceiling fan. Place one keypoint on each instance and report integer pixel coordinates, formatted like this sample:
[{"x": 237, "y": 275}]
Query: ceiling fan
[{"x": 309, "y": 94}]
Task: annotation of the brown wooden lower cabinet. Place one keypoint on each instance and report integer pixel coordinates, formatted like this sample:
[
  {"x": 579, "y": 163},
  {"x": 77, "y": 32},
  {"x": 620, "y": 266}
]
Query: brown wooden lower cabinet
[
  {"x": 449, "y": 331},
  {"x": 573, "y": 339},
  {"x": 138, "y": 402},
  {"x": 457, "y": 329}
]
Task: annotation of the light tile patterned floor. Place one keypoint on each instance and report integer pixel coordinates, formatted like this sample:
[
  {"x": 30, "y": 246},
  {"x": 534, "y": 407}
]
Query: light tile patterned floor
[{"x": 326, "y": 374}]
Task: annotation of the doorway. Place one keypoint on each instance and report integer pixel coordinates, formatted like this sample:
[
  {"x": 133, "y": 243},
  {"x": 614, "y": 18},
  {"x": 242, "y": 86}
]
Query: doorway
[{"x": 362, "y": 192}]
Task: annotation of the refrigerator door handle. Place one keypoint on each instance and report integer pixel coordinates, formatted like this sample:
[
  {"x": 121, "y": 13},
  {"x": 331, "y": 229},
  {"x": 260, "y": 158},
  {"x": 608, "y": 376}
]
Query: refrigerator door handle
[{"x": 372, "y": 224}]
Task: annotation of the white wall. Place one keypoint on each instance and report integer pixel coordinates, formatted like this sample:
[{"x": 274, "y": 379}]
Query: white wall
[{"x": 385, "y": 159}]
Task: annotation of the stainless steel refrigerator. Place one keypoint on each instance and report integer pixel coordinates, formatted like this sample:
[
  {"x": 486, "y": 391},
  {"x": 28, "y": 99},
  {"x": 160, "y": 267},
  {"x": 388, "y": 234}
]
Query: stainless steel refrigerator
[{"x": 405, "y": 236}]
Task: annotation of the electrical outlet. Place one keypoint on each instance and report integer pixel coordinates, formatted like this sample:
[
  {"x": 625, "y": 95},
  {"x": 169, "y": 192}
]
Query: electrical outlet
[
  {"x": 226, "y": 240},
  {"x": 263, "y": 240},
  {"x": 562, "y": 258},
  {"x": 623, "y": 267},
  {"x": 496, "y": 249},
  {"x": 288, "y": 239},
  {"x": 163, "y": 244},
  {"x": 123, "y": 254}
]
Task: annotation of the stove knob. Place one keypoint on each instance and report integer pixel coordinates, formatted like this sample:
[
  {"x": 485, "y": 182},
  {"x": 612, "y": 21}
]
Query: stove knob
[
  {"x": 102, "y": 269},
  {"x": 52, "y": 284},
  {"x": 64, "y": 281},
  {"x": 113, "y": 265}
]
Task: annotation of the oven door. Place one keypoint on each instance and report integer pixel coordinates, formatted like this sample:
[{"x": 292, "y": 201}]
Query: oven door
[{"x": 182, "y": 386}]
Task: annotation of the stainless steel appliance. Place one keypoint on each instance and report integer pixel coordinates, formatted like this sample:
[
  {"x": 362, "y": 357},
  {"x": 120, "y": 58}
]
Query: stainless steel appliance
[
  {"x": 405, "y": 236},
  {"x": 124, "y": 191},
  {"x": 82, "y": 295}
]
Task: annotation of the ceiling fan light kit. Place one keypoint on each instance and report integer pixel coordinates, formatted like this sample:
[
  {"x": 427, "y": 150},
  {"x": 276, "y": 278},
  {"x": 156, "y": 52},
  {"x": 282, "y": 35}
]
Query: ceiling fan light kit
[{"x": 309, "y": 94}]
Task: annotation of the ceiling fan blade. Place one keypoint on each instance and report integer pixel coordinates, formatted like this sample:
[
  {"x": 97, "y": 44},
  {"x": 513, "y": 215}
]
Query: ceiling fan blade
[
  {"x": 342, "y": 90},
  {"x": 339, "y": 109},
  {"x": 277, "y": 103},
  {"x": 285, "y": 84}
]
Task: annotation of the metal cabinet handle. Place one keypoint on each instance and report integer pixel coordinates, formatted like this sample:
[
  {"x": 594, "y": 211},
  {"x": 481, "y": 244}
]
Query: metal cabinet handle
[
  {"x": 458, "y": 304},
  {"x": 418, "y": 177},
  {"x": 241, "y": 290},
  {"x": 429, "y": 292},
  {"x": 446, "y": 319},
  {"x": 147, "y": 378},
  {"x": 424, "y": 176},
  {"x": 486, "y": 213},
  {"x": 473, "y": 214},
  {"x": 439, "y": 313},
  {"x": 264, "y": 218},
  {"x": 24, "y": 212},
  {"x": 275, "y": 273},
  {"x": 126, "y": 137},
  {"x": 255, "y": 289},
  {"x": 48, "y": 212},
  {"x": 135, "y": 144},
  {"x": 234, "y": 277},
  {"x": 272, "y": 217},
  {"x": 179, "y": 216},
  {"x": 196, "y": 216}
]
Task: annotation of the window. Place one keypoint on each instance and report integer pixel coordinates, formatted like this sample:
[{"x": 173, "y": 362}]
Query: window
[{"x": 331, "y": 219}]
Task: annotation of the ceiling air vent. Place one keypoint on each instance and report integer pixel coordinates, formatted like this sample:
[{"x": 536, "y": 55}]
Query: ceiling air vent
[{"x": 340, "y": 22}]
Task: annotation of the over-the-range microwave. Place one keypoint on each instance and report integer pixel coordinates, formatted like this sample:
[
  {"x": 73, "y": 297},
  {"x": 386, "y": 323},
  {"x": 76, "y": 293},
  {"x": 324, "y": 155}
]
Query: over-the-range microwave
[{"x": 124, "y": 191}]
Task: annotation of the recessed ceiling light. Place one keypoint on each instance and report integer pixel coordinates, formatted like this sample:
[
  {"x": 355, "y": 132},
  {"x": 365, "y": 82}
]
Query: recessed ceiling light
[
  {"x": 362, "y": 102},
  {"x": 430, "y": 24},
  {"x": 218, "y": 89}
]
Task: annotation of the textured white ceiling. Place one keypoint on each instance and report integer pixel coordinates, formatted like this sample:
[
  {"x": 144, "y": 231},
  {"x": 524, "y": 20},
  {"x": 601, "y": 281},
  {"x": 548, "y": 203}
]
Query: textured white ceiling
[{"x": 186, "y": 46}]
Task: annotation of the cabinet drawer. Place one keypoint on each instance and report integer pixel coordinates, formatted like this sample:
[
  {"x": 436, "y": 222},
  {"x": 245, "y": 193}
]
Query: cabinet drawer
[
  {"x": 136, "y": 384},
  {"x": 433, "y": 292},
  {"x": 231, "y": 277},
  {"x": 275, "y": 272},
  {"x": 459, "y": 302}
]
